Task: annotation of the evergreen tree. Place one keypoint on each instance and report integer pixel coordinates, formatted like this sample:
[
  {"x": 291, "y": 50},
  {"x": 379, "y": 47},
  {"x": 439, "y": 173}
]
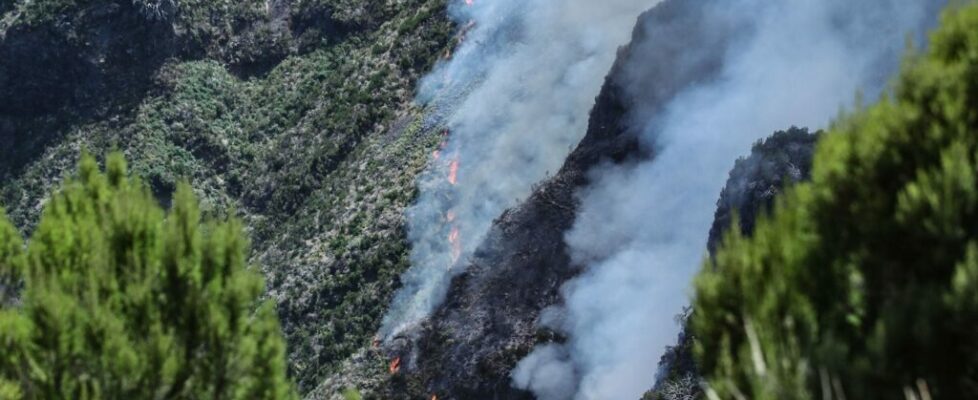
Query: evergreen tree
[
  {"x": 11, "y": 260},
  {"x": 121, "y": 301},
  {"x": 863, "y": 283}
]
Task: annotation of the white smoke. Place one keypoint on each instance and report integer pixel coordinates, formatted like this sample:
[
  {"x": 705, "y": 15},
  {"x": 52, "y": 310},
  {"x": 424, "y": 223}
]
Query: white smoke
[
  {"x": 642, "y": 228},
  {"x": 515, "y": 98}
]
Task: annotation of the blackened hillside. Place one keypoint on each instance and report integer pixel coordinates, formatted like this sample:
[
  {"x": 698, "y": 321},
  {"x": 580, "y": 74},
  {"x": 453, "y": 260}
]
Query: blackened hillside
[
  {"x": 755, "y": 181},
  {"x": 488, "y": 323}
]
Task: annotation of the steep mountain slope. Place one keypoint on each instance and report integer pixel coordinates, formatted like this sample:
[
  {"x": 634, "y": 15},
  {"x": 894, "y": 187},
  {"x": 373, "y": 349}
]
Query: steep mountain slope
[
  {"x": 470, "y": 345},
  {"x": 296, "y": 115},
  {"x": 492, "y": 319}
]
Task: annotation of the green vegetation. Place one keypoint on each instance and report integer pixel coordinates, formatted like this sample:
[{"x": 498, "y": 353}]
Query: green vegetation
[
  {"x": 863, "y": 283},
  {"x": 352, "y": 394},
  {"x": 315, "y": 152},
  {"x": 121, "y": 301}
]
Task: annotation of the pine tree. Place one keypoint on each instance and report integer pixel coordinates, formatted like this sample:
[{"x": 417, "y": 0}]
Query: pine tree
[
  {"x": 11, "y": 260},
  {"x": 122, "y": 301},
  {"x": 863, "y": 283}
]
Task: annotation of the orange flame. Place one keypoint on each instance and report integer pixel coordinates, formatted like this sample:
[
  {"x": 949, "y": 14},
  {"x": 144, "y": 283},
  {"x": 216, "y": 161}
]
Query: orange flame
[
  {"x": 453, "y": 172},
  {"x": 434, "y": 397},
  {"x": 456, "y": 244},
  {"x": 395, "y": 365}
]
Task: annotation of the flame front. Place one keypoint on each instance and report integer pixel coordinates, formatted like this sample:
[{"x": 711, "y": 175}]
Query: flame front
[
  {"x": 395, "y": 365},
  {"x": 453, "y": 172},
  {"x": 453, "y": 239}
]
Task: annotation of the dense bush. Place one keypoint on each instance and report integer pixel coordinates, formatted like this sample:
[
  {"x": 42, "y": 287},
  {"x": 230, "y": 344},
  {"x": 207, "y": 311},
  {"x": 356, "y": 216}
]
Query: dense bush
[
  {"x": 863, "y": 284},
  {"x": 123, "y": 301}
]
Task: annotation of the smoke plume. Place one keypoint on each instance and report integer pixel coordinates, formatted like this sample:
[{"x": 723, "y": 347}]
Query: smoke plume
[
  {"x": 513, "y": 100},
  {"x": 642, "y": 228}
]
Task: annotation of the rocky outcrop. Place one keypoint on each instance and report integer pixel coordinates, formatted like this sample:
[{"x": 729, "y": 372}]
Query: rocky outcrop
[{"x": 755, "y": 181}]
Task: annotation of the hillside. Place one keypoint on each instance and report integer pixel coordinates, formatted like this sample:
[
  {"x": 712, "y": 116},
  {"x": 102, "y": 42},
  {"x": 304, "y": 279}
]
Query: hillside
[
  {"x": 455, "y": 199},
  {"x": 296, "y": 116},
  {"x": 476, "y": 338}
]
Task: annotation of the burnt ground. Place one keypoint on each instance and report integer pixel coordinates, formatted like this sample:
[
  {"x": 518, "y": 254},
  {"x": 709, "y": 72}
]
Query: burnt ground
[{"x": 489, "y": 322}]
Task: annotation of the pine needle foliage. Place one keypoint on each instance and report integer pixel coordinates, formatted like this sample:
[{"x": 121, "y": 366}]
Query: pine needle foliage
[
  {"x": 863, "y": 283},
  {"x": 121, "y": 300}
]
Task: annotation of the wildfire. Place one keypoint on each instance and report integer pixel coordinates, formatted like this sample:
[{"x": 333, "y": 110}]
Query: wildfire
[
  {"x": 453, "y": 172},
  {"x": 395, "y": 365},
  {"x": 441, "y": 146},
  {"x": 434, "y": 397},
  {"x": 453, "y": 239},
  {"x": 450, "y": 215}
]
